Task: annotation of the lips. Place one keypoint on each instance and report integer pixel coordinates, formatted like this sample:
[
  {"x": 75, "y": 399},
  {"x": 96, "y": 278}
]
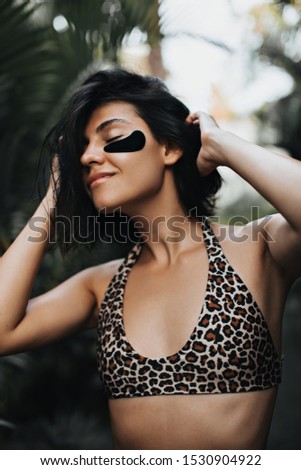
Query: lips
[{"x": 99, "y": 178}]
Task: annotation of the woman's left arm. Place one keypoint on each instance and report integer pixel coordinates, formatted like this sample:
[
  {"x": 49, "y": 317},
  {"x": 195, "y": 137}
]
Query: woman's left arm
[{"x": 276, "y": 177}]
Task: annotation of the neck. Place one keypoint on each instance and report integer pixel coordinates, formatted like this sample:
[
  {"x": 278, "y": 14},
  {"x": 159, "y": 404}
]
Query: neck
[{"x": 165, "y": 227}]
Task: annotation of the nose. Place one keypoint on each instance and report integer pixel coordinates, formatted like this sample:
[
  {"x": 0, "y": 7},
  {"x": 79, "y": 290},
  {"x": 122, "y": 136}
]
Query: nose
[{"x": 92, "y": 155}]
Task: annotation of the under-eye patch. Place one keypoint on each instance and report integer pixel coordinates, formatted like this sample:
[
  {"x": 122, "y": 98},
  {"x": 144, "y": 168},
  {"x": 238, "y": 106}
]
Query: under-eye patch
[{"x": 132, "y": 143}]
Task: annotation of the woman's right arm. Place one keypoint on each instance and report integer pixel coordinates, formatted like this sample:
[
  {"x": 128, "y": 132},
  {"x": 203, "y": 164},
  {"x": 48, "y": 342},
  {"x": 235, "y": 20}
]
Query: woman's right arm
[{"x": 68, "y": 308}]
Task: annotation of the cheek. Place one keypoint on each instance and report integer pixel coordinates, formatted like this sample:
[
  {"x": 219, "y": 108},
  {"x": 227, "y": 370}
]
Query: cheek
[
  {"x": 140, "y": 163},
  {"x": 144, "y": 168}
]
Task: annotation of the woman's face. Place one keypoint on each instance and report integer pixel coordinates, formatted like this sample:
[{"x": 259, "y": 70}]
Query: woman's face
[{"x": 133, "y": 175}]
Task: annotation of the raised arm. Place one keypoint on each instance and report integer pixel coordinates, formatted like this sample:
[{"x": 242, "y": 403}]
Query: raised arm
[
  {"x": 276, "y": 177},
  {"x": 70, "y": 307}
]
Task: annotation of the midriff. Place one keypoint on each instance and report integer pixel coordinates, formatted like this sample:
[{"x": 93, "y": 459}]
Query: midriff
[{"x": 220, "y": 421}]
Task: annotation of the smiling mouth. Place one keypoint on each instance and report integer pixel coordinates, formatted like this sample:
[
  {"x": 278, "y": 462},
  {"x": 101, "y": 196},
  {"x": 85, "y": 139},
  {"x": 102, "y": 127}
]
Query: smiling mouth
[{"x": 99, "y": 180}]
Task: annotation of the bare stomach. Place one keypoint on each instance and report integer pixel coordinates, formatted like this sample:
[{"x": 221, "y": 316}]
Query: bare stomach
[{"x": 228, "y": 421}]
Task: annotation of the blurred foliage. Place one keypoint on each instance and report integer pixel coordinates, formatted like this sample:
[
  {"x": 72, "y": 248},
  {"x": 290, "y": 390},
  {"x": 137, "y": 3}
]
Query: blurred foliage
[
  {"x": 51, "y": 399},
  {"x": 277, "y": 38},
  {"x": 278, "y": 26}
]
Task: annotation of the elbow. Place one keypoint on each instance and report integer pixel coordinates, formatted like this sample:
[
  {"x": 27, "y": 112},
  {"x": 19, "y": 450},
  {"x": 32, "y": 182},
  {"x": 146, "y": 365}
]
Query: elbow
[
  {"x": 4, "y": 351},
  {"x": 6, "y": 346}
]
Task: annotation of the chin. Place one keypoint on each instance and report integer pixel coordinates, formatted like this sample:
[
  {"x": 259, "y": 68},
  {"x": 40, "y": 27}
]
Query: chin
[
  {"x": 106, "y": 207},
  {"x": 107, "y": 204}
]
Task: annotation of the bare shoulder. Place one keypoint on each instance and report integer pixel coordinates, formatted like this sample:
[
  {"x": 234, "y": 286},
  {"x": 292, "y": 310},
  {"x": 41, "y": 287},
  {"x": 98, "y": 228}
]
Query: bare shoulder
[
  {"x": 268, "y": 246},
  {"x": 251, "y": 236},
  {"x": 246, "y": 248},
  {"x": 94, "y": 282},
  {"x": 98, "y": 277},
  {"x": 279, "y": 242}
]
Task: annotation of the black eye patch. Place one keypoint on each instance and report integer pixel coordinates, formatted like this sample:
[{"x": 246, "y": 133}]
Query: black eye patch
[{"x": 132, "y": 143}]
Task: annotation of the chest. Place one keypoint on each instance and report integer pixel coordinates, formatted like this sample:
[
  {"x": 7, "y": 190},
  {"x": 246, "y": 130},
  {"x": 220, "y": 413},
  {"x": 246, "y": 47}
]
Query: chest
[{"x": 161, "y": 307}]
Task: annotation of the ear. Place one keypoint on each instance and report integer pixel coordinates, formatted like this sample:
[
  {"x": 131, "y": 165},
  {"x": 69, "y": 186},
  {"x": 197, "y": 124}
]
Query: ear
[{"x": 172, "y": 155}]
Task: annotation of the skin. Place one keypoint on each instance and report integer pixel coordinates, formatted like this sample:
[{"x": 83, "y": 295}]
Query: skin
[{"x": 268, "y": 260}]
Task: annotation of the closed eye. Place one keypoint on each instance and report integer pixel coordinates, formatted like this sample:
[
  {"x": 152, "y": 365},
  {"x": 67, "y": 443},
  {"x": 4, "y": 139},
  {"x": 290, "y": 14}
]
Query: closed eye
[{"x": 113, "y": 138}]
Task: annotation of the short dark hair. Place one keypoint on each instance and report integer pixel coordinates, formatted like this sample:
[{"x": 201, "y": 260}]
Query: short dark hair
[{"x": 165, "y": 116}]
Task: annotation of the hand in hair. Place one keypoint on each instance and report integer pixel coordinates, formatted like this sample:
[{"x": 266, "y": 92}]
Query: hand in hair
[{"x": 208, "y": 159}]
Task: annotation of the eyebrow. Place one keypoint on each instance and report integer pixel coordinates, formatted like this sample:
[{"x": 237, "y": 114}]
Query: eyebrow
[{"x": 105, "y": 124}]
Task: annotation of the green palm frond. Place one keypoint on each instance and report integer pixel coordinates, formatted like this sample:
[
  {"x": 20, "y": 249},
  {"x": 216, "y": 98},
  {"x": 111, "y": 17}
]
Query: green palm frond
[{"x": 27, "y": 69}]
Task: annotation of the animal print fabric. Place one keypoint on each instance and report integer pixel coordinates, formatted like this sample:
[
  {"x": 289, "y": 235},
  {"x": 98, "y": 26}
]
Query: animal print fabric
[{"x": 230, "y": 349}]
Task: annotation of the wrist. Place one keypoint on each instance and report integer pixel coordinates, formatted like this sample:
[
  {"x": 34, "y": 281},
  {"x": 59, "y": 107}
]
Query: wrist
[
  {"x": 223, "y": 146},
  {"x": 214, "y": 141},
  {"x": 45, "y": 209}
]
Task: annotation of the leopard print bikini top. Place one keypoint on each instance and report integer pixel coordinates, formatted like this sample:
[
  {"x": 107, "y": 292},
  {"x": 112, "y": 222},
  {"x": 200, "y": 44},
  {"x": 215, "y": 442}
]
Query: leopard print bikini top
[{"x": 230, "y": 349}]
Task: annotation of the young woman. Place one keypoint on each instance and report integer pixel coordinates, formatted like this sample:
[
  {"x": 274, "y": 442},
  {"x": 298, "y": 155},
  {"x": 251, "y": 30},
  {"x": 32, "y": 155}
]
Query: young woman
[{"x": 190, "y": 350}]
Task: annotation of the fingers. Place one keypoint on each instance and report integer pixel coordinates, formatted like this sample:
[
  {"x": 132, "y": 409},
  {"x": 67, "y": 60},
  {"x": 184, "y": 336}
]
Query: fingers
[
  {"x": 198, "y": 115},
  {"x": 203, "y": 120},
  {"x": 193, "y": 118}
]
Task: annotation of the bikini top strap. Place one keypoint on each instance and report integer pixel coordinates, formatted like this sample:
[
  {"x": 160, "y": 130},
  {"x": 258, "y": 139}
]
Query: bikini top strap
[
  {"x": 215, "y": 252},
  {"x": 122, "y": 272},
  {"x": 127, "y": 264},
  {"x": 132, "y": 256}
]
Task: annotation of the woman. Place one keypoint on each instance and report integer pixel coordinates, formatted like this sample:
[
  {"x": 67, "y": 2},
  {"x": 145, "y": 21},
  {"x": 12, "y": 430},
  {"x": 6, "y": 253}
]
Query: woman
[{"x": 190, "y": 351}]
